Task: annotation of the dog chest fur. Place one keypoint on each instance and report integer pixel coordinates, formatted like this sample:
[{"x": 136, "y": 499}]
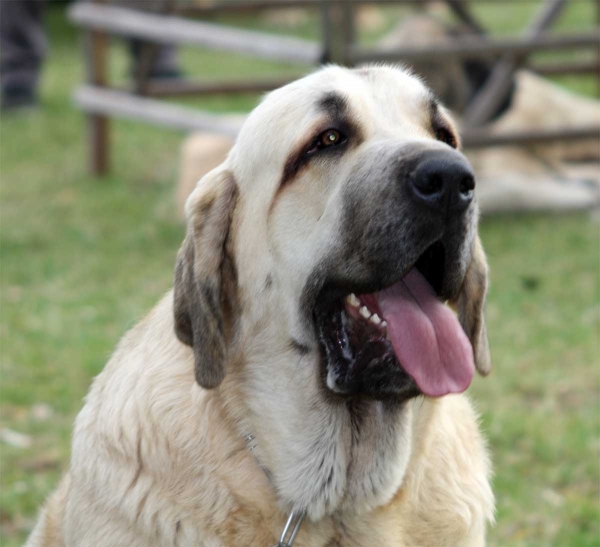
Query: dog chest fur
[{"x": 170, "y": 468}]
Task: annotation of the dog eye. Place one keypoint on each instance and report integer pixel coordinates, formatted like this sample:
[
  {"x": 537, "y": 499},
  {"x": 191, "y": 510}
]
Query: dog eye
[
  {"x": 327, "y": 139},
  {"x": 331, "y": 138}
]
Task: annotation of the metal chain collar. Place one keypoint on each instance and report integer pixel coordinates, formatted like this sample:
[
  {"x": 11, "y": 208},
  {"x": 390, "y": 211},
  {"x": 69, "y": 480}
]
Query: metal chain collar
[
  {"x": 291, "y": 529},
  {"x": 294, "y": 520}
]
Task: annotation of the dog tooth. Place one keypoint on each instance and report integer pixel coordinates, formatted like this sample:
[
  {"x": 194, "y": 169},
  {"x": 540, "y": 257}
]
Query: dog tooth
[
  {"x": 352, "y": 300},
  {"x": 365, "y": 312},
  {"x": 375, "y": 319},
  {"x": 384, "y": 324}
]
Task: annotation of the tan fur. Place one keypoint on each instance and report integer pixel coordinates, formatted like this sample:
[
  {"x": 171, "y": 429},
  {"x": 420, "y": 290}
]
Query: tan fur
[
  {"x": 158, "y": 460},
  {"x": 166, "y": 451},
  {"x": 48, "y": 530},
  {"x": 470, "y": 307},
  {"x": 201, "y": 153}
]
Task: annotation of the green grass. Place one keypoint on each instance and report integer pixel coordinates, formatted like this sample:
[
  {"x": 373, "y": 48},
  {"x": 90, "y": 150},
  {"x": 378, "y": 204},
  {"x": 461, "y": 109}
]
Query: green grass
[
  {"x": 540, "y": 405},
  {"x": 81, "y": 260}
]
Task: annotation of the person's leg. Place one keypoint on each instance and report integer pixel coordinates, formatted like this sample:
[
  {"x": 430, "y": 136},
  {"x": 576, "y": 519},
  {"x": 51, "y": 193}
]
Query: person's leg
[
  {"x": 165, "y": 63},
  {"x": 22, "y": 49}
]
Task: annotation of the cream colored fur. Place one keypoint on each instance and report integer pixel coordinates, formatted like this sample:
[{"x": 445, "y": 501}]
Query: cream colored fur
[{"x": 159, "y": 461}]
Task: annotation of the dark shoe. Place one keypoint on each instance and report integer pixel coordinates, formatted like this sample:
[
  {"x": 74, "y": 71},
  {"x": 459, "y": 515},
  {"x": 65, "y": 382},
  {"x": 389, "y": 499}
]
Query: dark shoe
[{"x": 165, "y": 73}]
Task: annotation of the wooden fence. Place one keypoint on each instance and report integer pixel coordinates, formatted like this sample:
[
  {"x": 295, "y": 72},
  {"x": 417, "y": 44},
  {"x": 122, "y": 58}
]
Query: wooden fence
[{"x": 173, "y": 25}]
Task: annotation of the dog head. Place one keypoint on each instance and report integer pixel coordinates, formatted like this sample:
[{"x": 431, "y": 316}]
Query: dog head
[
  {"x": 315, "y": 273},
  {"x": 341, "y": 221}
]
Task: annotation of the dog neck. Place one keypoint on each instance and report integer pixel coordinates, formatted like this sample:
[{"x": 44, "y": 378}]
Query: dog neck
[
  {"x": 325, "y": 458},
  {"x": 295, "y": 519}
]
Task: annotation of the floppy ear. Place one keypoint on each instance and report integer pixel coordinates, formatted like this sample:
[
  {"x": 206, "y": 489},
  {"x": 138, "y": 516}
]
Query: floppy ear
[
  {"x": 470, "y": 307},
  {"x": 204, "y": 275}
]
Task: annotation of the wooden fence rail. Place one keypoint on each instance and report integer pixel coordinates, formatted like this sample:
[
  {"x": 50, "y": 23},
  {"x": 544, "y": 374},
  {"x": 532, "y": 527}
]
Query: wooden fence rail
[
  {"x": 246, "y": 6},
  {"x": 108, "y": 102},
  {"x": 167, "y": 29},
  {"x": 481, "y": 138},
  {"x": 183, "y": 88},
  {"x": 554, "y": 68},
  {"x": 480, "y": 48}
]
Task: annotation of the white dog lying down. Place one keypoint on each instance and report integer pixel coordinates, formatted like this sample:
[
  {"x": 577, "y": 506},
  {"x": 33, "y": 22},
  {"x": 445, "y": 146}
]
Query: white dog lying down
[
  {"x": 305, "y": 360},
  {"x": 562, "y": 176}
]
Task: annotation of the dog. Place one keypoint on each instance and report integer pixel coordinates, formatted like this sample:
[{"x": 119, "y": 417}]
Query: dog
[{"x": 326, "y": 317}]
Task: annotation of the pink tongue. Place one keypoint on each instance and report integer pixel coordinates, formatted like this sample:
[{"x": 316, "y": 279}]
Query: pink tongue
[{"x": 427, "y": 337}]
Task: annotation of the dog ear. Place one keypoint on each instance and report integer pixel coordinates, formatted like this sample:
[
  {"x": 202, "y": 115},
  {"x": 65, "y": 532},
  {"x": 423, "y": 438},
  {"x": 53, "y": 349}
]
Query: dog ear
[
  {"x": 470, "y": 306},
  {"x": 203, "y": 275}
]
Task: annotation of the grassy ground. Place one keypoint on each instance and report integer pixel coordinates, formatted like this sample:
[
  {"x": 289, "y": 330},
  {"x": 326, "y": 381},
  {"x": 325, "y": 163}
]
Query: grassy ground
[{"x": 82, "y": 260}]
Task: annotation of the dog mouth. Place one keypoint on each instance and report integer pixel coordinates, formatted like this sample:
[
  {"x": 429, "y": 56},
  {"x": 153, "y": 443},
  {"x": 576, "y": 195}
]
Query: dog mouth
[{"x": 398, "y": 342}]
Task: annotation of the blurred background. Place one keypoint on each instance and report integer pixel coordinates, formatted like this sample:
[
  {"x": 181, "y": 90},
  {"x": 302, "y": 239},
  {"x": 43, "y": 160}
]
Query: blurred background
[{"x": 104, "y": 129}]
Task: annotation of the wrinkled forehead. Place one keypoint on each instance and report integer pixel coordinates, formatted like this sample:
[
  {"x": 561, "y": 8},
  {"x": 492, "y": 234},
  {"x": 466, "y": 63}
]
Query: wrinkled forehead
[{"x": 380, "y": 100}]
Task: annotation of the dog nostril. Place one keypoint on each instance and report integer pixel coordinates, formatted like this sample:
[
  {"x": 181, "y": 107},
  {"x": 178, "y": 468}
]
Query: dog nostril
[
  {"x": 431, "y": 185},
  {"x": 443, "y": 180},
  {"x": 467, "y": 185}
]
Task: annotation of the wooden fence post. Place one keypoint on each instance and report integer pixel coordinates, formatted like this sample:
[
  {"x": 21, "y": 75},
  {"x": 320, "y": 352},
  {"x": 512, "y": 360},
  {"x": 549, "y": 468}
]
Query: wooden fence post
[
  {"x": 95, "y": 46},
  {"x": 338, "y": 31}
]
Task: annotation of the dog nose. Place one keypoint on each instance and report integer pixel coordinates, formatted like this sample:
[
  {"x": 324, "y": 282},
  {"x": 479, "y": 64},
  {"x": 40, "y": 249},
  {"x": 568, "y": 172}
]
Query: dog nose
[{"x": 443, "y": 181}]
